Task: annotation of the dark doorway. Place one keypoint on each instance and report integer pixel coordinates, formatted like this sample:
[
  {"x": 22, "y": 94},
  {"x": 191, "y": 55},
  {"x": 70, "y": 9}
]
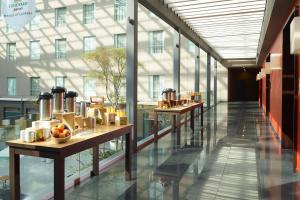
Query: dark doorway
[
  {"x": 242, "y": 84},
  {"x": 288, "y": 89}
]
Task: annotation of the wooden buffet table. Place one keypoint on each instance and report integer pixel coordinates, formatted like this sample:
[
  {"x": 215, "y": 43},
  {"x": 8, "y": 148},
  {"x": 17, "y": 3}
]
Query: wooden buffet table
[
  {"x": 58, "y": 152},
  {"x": 176, "y": 113}
]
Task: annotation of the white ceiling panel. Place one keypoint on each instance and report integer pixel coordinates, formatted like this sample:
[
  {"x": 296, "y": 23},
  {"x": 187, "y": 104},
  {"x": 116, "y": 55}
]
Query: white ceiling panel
[{"x": 231, "y": 27}]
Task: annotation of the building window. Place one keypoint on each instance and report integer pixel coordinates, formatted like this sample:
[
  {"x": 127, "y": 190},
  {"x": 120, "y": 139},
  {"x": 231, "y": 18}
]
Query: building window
[
  {"x": 35, "y": 22},
  {"x": 120, "y": 10},
  {"x": 34, "y": 86},
  {"x": 35, "y": 51},
  {"x": 155, "y": 86},
  {"x": 120, "y": 40},
  {"x": 89, "y": 44},
  {"x": 60, "y": 16},
  {"x": 11, "y": 86},
  {"x": 156, "y": 42},
  {"x": 191, "y": 47},
  {"x": 88, "y": 13},
  {"x": 89, "y": 87},
  {"x": 9, "y": 29},
  {"x": 60, "y": 81},
  {"x": 60, "y": 48},
  {"x": 11, "y": 51}
]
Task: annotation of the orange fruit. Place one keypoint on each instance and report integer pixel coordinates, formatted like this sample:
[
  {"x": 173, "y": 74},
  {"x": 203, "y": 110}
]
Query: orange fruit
[
  {"x": 66, "y": 132},
  {"x": 61, "y": 127},
  {"x": 62, "y": 135}
]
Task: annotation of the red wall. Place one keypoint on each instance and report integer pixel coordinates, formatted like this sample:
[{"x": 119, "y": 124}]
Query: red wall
[
  {"x": 263, "y": 98},
  {"x": 275, "y": 113}
]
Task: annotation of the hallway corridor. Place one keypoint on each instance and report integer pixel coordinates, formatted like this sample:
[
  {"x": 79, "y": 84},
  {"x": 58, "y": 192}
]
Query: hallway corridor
[{"x": 237, "y": 156}]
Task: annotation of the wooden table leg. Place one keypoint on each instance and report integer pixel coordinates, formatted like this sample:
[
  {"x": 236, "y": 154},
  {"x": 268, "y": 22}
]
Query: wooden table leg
[
  {"x": 59, "y": 178},
  {"x": 173, "y": 123},
  {"x": 14, "y": 174},
  {"x": 178, "y": 128},
  {"x": 128, "y": 157},
  {"x": 155, "y": 131},
  {"x": 95, "y": 171},
  {"x": 201, "y": 116},
  {"x": 192, "y": 118}
]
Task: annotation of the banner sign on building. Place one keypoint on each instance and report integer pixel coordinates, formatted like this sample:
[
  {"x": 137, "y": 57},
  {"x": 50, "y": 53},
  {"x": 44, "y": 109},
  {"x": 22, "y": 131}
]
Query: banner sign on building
[{"x": 17, "y": 13}]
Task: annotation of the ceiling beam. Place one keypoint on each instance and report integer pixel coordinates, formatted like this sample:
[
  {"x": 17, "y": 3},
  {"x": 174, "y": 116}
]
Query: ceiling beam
[{"x": 162, "y": 11}]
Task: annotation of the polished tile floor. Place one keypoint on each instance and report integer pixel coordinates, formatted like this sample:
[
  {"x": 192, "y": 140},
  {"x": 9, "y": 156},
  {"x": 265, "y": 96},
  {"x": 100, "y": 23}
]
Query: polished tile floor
[{"x": 236, "y": 156}]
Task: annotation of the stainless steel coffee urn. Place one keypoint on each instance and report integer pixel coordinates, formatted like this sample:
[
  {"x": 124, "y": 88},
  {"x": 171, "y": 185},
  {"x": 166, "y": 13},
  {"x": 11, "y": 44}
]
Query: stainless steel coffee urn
[
  {"x": 45, "y": 104},
  {"x": 58, "y": 99},
  {"x": 71, "y": 101},
  {"x": 173, "y": 94},
  {"x": 169, "y": 94},
  {"x": 166, "y": 94},
  {"x": 83, "y": 109}
]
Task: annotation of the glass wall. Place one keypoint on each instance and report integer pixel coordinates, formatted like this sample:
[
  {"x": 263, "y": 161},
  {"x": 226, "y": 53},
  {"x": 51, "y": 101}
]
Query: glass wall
[
  {"x": 155, "y": 71},
  {"x": 203, "y": 75},
  {"x": 187, "y": 66},
  {"x": 222, "y": 83}
]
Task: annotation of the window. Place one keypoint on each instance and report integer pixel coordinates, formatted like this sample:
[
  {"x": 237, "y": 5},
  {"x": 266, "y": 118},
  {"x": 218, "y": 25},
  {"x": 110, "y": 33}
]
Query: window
[
  {"x": 155, "y": 86},
  {"x": 11, "y": 86},
  {"x": 9, "y": 29},
  {"x": 120, "y": 40},
  {"x": 60, "y": 48},
  {"x": 191, "y": 47},
  {"x": 88, "y": 13},
  {"x": 89, "y": 43},
  {"x": 11, "y": 51},
  {"x": 120, "y": 10},
  {"x": 35, "y": 22},
  {"x": 35, "y": 51},
  {"x": 60, "y": 81},
  {"x": 34, "y": 86},
  {"x": 156, "y": 42},
  {"x": 60, "y": 16},
  {"x": 89, "y": 86}
]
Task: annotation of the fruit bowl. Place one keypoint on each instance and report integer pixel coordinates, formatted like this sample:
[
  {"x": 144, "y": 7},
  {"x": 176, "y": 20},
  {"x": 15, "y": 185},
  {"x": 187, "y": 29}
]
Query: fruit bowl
[{"x": 60, "y": 133}]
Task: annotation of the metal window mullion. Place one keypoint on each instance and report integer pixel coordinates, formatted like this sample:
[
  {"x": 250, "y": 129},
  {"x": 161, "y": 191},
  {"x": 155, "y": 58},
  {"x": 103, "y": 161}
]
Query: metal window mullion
[
  {"x": 131, "y": 60},
  {"x": 176, "y": 61},
  {"x": 208, "y": 77},
  {"x": 215, "y": 82},
  {"x": 197, "y": 69}
]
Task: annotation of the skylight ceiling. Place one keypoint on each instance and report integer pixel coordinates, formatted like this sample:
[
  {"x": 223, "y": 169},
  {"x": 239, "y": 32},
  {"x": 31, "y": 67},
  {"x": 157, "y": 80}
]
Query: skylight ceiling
[{"x": 231, "y": 27}]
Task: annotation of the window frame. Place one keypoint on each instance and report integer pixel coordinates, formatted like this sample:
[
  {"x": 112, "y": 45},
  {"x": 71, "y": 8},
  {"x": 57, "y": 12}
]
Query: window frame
[
  {"x": 35, "y": 92},
  {"x": 9, "y": 56},
  {"x": 117, "y": 40},
  {"x": 33, "y": 25},
  {"x": 63, "y": 80},
  {"x": 85, "y": 92},
  {"x": 60, "y": 18},
  {"x": 31, "y": 52},
  {"x": 120, "y": 9},
  {"x": 59, "y": 54},
  {"x": 90, "y": 19},
  {"x": 85, "y": 42},
  {"x": 155, "y": 47},
  {"x": 14, "y": 93}
]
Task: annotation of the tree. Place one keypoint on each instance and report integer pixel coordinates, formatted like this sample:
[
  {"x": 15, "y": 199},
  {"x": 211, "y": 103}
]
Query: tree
[{"x": 110, "y": 69}]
